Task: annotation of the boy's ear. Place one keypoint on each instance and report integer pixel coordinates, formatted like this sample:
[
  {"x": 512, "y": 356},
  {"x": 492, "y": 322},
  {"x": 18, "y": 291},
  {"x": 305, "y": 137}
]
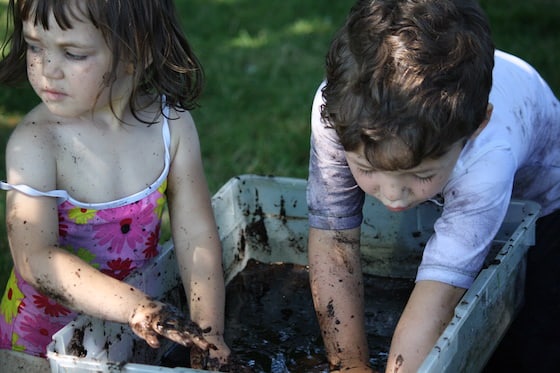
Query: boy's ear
[{"x": 482, "y": 125}]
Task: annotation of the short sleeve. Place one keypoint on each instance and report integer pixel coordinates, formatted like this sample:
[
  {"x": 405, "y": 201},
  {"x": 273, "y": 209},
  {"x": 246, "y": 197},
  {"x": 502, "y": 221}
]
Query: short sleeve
[
  {"x": 334, "y": 199},
  {"x": 476, "y": 201}
]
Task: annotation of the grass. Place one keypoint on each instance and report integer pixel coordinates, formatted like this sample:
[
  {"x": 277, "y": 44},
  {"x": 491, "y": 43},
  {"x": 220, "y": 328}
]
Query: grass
[{"x": 263, "y": 62}]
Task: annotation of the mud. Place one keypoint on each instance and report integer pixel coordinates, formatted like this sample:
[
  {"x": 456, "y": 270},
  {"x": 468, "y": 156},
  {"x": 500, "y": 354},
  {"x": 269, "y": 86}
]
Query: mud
[{"x": 271, "y": 324}]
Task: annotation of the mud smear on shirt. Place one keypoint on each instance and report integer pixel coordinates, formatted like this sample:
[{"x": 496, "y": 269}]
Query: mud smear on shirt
[{"x": 271, "y": 324}]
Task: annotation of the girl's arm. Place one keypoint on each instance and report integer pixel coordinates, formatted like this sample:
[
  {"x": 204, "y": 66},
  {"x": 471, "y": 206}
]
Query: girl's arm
[
  {"x": 195, "y": 235},
  {"x": 33, "y": 236}
]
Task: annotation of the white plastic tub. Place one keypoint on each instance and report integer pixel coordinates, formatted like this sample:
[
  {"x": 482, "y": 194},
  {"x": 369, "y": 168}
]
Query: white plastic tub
[{"x": 265, "y": 218}]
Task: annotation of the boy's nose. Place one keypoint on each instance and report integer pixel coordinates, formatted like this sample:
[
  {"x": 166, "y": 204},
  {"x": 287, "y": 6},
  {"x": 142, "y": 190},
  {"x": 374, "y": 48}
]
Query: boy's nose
[
  {"x": 393, "y": 190},
  {"x": 393, "y": 193}
]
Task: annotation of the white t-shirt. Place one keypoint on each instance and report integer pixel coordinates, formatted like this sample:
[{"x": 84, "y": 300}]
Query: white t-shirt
[{"x": 518, "y": 150}]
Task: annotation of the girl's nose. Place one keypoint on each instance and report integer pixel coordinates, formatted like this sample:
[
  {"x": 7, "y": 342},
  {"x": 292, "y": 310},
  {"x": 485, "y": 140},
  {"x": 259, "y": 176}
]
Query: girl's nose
[{"x": 51, "y": 68}]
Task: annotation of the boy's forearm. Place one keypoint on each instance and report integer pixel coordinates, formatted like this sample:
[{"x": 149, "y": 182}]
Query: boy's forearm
[
  {"x": 427, "y": 313},
  {"x": 337, "y": 288}
]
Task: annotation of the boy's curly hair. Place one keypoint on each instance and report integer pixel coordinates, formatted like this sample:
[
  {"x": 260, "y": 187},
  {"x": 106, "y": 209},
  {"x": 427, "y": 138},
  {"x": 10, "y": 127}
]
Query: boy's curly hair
[
  {"x": 406, "y": 79},
  {"x": 143, "y": 33}
]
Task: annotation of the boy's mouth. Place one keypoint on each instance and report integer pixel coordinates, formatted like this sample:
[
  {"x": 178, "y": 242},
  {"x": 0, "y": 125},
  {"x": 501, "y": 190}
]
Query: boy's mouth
[{"x": 396, "y": 209}]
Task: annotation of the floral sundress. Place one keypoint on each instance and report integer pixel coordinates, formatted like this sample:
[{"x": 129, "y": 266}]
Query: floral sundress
[{"x": 116, "y": 237}]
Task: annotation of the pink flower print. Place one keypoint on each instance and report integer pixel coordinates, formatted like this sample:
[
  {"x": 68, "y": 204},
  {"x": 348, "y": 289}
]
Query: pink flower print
[
  {"x": 119, "y": 268},
  {"x": 62, "y": 227},
  {"x": 51, "y": 307},
  {"x": 124, "y": 230},
  {"x": 37, "y": 331},
  {"x": 151, "y": 249},
  {"x": 5, "y": 340}
]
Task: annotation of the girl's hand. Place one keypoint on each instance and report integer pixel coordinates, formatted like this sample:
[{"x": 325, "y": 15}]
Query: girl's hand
[
  {"x": 219, "y": 359},
  {"x": 154, "y": 319},
  {"x": 357, "y": 369},
  {"x": 211, "y": 360}
]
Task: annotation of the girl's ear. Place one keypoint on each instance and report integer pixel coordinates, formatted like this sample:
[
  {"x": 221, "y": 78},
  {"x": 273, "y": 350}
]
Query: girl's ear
[
  {"x": 482, "y": 125},
  {"x": 129, "y": 68}
]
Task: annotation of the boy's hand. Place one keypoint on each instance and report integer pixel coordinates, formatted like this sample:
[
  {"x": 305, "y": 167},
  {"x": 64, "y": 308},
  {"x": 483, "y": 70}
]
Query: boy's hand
[{"x": 154, "y": 319}]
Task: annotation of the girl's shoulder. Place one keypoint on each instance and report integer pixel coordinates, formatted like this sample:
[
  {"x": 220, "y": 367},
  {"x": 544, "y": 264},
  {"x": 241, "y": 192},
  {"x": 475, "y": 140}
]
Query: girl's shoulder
[
  {"x": 35, "y": 128},
  {"x": 181, "y": 126},
  {"x": 31, "y": 149}
]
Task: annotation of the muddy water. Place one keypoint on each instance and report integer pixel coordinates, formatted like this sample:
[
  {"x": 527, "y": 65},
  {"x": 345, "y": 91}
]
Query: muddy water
[{"x": 271, "y": 325}]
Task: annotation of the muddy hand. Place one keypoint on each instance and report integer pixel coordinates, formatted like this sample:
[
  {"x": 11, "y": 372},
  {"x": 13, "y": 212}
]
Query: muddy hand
[
  {"x": 154, "y": 319},
  {"x": 202, "y": 360}
]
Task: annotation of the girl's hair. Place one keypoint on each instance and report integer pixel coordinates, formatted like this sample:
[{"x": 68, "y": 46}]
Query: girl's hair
[
  {"x": 406, "y": 79},
  {"x": 145, "y": 34}
]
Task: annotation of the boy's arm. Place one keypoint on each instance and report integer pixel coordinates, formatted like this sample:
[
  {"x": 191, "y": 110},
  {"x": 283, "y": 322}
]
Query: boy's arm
[
  {"x": 338, "y": 294},
  {"x": 427, "y": 313}
]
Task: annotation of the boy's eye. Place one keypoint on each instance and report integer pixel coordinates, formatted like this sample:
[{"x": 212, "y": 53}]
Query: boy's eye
[
  {"x": 425, "y": 179},
  {"x": 365, "y": 171}
]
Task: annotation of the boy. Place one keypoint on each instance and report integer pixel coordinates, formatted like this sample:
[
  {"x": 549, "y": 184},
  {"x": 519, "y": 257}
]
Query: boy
[{"x": 418, "y": 104}]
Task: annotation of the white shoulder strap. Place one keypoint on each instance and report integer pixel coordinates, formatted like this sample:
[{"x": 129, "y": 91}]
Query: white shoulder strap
[
  {"x": 63, "y": 195},
  {"x": 26, "y": 189}
]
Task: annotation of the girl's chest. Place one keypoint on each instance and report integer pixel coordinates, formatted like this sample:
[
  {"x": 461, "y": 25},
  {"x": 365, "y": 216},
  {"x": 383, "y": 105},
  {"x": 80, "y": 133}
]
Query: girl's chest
[{"x": 104, "y": 168}]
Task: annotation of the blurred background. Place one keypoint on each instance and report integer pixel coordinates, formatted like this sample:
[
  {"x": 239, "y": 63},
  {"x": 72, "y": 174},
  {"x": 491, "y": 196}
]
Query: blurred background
[{"x": 263, "y": 62}]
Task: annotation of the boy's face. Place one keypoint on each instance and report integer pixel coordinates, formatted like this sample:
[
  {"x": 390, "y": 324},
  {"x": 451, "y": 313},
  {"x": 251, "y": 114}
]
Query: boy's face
[{"x": 403, "y": 189}]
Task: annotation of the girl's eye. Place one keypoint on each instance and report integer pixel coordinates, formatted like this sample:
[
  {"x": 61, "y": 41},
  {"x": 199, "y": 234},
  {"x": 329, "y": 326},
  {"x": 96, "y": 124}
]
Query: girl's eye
[
  {"x": 75, "y": 57},
  {"x": 365, "y": 172},
  {"x": 33, "y": 48}
]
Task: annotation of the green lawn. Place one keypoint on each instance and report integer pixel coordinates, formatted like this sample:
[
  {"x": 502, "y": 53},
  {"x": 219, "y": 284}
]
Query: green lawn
[{"x": 263, "y": 61}]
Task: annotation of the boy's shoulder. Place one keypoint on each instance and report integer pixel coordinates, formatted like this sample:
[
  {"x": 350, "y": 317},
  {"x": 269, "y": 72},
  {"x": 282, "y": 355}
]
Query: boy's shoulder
[{"x": 506, "y": 65}]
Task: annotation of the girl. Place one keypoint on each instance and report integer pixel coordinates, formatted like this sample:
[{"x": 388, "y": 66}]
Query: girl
[{"x": 90, "y": 168}]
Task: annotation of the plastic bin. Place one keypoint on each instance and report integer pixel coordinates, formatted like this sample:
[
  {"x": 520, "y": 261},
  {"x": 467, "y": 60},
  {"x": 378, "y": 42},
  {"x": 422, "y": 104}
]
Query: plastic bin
[{"x": 265, "y": 218}]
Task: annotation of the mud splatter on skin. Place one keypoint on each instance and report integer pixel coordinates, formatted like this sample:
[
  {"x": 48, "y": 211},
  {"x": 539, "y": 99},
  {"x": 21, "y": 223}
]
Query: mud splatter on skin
[
  {"x": 170, "y": 323},
  {"x": 398, "y": 363},
  {"x": 45, "y": 287},
  {"x": 344, "y": 240},
  {"x": 335, "y": 366},
  {"x": 330, "y": 309}
]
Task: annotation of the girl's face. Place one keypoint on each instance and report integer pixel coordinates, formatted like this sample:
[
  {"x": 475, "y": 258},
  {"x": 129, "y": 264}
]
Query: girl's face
[
  {"x": 403, "y": 189},
  {"x": 67, "y": 68}
]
